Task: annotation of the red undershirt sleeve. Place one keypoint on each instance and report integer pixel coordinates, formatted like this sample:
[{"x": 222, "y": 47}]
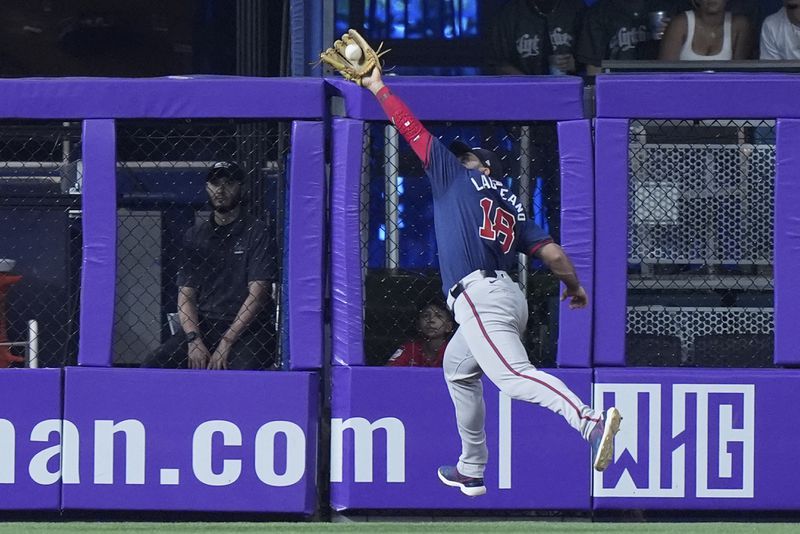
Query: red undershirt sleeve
[
  {"x": 406, "y": 123},
  {"x": 538, "y": 246}
]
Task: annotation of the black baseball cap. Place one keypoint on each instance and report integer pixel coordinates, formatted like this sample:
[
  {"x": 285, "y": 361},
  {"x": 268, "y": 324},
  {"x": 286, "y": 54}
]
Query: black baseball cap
[
  {"x": 226, "y": 169},
  {"x": 488, "y": 158}
]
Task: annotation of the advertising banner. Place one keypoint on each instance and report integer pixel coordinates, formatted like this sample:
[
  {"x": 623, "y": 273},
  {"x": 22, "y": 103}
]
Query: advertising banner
[
  {"x": 700, "y": 439},
  {"x": 391, "y": 428},
  {"x": 30, "y": 430},
  {"x": 148, "y": 439}
]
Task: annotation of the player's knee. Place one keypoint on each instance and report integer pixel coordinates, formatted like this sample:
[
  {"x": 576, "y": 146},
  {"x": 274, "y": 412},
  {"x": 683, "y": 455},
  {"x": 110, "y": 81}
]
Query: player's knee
[
  {"x": 456, "y": 371},
  {"x": 451, "y": 375}
]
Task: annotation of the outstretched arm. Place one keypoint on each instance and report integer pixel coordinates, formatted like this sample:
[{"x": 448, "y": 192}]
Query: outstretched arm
[
  {"x": 406, "y": 123},
  {"x": 559, "y": 263}
]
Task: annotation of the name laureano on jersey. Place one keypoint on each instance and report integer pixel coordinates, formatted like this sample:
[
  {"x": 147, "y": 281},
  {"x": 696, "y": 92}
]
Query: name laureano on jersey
[{"x": 505, "y": 193}]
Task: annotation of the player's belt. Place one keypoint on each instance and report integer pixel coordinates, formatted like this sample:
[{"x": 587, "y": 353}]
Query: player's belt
[{"x": 457, "y": 289}]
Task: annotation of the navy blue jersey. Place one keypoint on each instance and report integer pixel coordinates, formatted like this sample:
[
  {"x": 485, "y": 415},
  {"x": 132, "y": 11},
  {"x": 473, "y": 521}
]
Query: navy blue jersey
[{"x": 480, "y": 224}]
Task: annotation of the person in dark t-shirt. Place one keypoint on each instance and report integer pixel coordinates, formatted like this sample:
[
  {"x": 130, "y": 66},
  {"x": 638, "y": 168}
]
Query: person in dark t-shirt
[
  {"x": 620, "y": 30},
  {"x": 224, "y": 286},
  {"x": 535, "y": 37}
]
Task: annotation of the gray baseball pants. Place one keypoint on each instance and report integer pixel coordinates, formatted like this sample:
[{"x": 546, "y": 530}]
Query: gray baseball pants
[{"x": 492, "y": 313}]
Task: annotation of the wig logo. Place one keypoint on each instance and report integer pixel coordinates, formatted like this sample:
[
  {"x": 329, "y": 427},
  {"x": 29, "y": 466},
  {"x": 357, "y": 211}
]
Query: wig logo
[{"x": 680, "y": 440}]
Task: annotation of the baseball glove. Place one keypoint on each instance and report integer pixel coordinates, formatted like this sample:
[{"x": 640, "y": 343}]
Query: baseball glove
[{"x": 353, "y": 70}]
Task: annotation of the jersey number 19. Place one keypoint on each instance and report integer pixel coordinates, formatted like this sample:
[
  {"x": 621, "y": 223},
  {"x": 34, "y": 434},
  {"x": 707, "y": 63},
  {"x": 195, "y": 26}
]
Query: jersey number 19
[{"x": 500, "y": 228}]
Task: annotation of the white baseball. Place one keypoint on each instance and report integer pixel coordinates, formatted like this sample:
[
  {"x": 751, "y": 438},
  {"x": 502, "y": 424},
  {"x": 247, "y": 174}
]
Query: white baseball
[{"x": 352, "y": 52}]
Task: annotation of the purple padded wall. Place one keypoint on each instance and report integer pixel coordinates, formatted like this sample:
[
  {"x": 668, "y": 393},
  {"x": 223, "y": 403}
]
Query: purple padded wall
[
  {"x": 170, "y": 97},
  {"x": 611, "y": 240},
  {"x": 306, "y": 245},
  {"x": 577, "y": 236},
  {"x": 161, "y": 439},
  {"x": 346, "y": 287},
  {"x": 30, "y": 425},
  {"x": 99, "y": 271},
  {"x": 698, "y": 96},
  {"x": 700, "y": 439},
  {"x": 787, "y": 242},
  {"x": 100, "y": 99},
  {"x": 472, "y": 98},
  {"x": 513, "y": 98},
  {"x": 392, "y": 427}
]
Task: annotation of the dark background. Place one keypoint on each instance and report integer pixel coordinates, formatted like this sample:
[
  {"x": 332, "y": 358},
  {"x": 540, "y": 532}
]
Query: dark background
[
  {"x": 246, "y": 37},
  {"x": 129, "y": 38}
]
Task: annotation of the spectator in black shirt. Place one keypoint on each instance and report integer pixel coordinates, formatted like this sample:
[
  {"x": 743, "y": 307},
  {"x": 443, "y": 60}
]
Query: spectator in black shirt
[
  {"x": 535, "y": 37},
  {"x": 224, "y": 286},
  {"x": 620, "y": 30}
]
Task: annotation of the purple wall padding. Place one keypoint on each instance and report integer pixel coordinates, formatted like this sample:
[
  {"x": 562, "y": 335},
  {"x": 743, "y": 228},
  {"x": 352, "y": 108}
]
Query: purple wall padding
[
  {"x": 170, "y": 97},
  {"x": 99, "y": 270},
  {"x": 700, "y": 439},
  {"x": 611, "y": 240},
  {"x": 392, "y": 427},
  {"x": 346, "y": 287},
  {"x": 430, "y": 98},
  {"x": 787, "y": 242},
  {"x": 577, "y": 236},
  {"x": 30, "y": 399},
  {"x": 306, "y": 244},
  {"x": 234, "y": 441},
  {"x": 698, "y": 96},
  {"x": 473, "y": 98}
]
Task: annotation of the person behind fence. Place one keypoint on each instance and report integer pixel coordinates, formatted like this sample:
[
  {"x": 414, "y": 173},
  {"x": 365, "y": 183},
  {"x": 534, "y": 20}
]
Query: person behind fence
[
  {"x": 481, "y": 227},
  {"x": 435, "y": 326},
  {"x": 535, "y": 37},
  {"x": 623, "y": 30},
  {"x": 709, "y": 32},
  {"x": 780, "y": 33},
  {"x": 224, "y": 286}
]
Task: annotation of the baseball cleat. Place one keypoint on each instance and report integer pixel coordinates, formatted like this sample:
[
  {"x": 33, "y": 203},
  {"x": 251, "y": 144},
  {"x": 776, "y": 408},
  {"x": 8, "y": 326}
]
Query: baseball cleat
[
  {"x": 602, "y": 439},
  {"x": 472, "y": 487}
]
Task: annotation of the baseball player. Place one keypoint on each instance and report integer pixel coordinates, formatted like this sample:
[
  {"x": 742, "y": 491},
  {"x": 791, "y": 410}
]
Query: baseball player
[{"x": 481, "y": 226}]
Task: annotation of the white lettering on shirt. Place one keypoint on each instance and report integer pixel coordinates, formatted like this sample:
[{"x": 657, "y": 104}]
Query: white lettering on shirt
[
  {"x": 629, "y": 38},
  {"x": 560, "y": 38},
  {"x": 528, "y": 46},
  {"x": 505, "y": 194}
]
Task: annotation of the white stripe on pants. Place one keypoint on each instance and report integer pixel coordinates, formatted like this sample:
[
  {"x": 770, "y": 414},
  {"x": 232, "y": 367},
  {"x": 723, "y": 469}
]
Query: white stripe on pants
[{"x": 492, "y": 313}]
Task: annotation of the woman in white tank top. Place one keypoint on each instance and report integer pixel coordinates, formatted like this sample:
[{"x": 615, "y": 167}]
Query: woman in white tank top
[{"x": 707, "y": 33}]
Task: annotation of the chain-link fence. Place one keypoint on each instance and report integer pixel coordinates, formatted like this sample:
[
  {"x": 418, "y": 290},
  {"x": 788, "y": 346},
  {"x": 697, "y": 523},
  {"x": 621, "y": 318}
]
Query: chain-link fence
[
  {"x": 399, "y": 253},
  {"x": 700, "y": 243},
  {"x": 199, "y": 260},
  {"x": 40, "y": 245}
]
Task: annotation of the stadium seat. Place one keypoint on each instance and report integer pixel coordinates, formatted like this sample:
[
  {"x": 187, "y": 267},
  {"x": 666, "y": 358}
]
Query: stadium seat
[
  {"x": 734, "y": 350},
  {"x": 652, "y": 350}
]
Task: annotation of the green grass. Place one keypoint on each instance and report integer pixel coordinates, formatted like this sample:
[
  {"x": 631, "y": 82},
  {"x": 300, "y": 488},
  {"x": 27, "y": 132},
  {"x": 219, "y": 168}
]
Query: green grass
[{"x": 465, "y": 527}]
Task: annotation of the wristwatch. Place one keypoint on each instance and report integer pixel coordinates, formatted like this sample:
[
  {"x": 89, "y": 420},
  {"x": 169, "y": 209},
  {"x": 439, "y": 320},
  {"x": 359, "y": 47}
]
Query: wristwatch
[{"x": 191, "y": 336}]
